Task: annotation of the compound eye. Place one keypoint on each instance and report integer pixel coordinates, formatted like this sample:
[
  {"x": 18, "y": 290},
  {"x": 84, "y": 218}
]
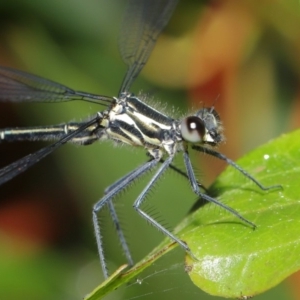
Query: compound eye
[{"x": 192, "y": 129}]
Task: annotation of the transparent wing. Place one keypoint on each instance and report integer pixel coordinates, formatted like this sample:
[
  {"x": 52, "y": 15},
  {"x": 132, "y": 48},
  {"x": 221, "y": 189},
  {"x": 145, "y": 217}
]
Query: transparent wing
[
  {"x": 18, "y": 86},
  {"x": 143, "y": 22}
]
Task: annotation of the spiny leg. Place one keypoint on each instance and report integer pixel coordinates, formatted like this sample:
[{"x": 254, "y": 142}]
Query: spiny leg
[
  {"x": 173, "y": 167},
  {"x": 114, "y": 213},
  {"x": 115, "y": 216},
  {"x": 184, "y": 174},
  {"x": 111, "y": 193},
  {"x": 139, "y": 201},
  {"x": 197, "y": 191},
  {"x": 237, "y": 167},
  {"x": 120, "y": 233}
]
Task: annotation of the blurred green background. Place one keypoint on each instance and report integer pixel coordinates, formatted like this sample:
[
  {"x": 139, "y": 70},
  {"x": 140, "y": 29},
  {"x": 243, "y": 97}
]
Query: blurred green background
[{"x": 242, "y": 58}]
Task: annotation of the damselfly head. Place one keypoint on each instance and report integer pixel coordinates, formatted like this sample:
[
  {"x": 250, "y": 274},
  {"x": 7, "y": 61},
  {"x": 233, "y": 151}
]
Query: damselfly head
[{"x": 204, "y": 127}]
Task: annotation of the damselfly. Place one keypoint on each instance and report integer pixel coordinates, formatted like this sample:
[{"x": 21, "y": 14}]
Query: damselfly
[{"x": 127, "y": 119}]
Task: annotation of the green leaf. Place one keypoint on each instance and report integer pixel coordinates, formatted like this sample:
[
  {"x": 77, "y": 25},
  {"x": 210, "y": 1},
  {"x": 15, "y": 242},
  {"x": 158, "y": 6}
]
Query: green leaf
[
  {"x": 118, "y": 278},
  {"x": 233, "y": 259}
]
